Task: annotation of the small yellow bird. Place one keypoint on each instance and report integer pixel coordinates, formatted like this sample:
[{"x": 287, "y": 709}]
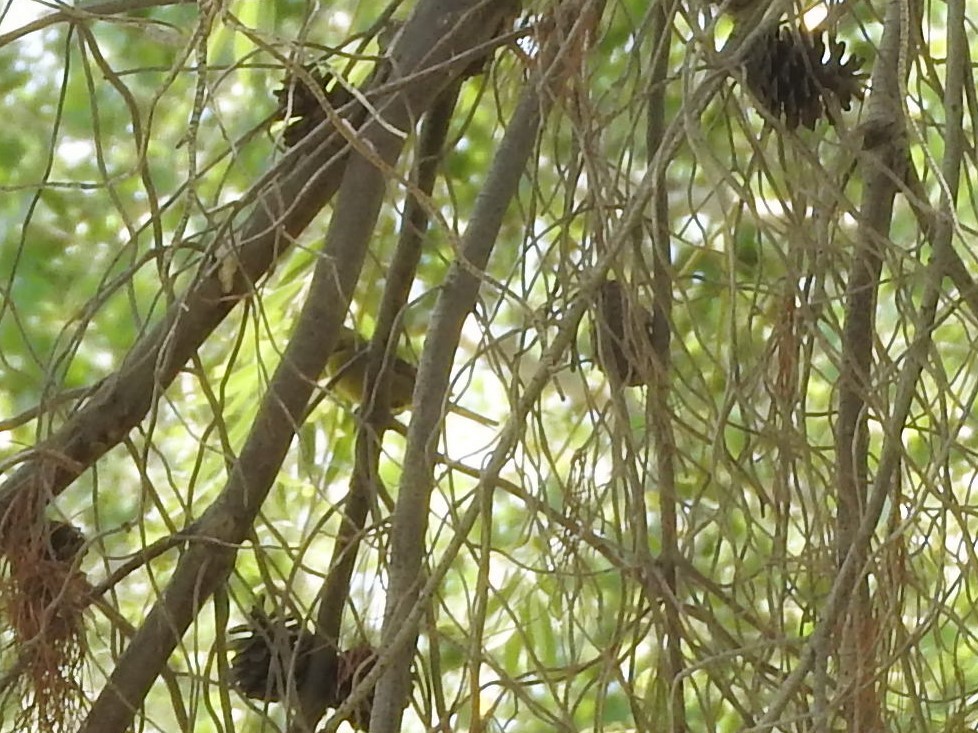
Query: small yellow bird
[{"x": 347, "y": 370}]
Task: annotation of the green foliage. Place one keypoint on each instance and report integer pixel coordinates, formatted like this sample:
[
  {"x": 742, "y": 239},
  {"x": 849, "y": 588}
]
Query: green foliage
[{"x": 548, "y": 614}]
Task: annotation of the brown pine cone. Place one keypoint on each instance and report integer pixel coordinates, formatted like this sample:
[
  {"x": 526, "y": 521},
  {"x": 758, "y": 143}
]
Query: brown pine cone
[
  {"x": 791, "y": 77},
  {"x": 272, "y": 652},
  {"x": 65, "y": 542}
]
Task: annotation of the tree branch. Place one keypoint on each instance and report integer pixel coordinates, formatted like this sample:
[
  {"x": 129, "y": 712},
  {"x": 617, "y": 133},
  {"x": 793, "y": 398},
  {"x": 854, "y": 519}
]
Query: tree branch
[
  {"x": 883, "y": 160},
  {"x": 658, "y": 412},
  {"x": 83, "y": 11},
  {"x": 455, "y": 302},
  {"x": 855, "y": 390},
  {"x": 205, "y": 566},
  {"x": 286, "y": 201}
]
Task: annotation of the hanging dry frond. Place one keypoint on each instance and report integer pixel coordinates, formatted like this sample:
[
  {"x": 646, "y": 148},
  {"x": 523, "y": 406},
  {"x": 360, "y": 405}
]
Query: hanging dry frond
[
  {"x": 791, "y": 75},
  {"x": 43, "y": 597},
  {"x": 623, "y": 336}
]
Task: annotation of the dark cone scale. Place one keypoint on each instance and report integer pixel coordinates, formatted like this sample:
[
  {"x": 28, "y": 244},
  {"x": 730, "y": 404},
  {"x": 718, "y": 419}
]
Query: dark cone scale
[
  {"x": 792, "y": 73},
  {"x": 623, "y": 345}
]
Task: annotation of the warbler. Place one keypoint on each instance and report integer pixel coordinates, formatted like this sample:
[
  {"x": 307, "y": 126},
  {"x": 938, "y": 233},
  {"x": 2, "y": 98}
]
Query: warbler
[{"x": 347, "y": 369}]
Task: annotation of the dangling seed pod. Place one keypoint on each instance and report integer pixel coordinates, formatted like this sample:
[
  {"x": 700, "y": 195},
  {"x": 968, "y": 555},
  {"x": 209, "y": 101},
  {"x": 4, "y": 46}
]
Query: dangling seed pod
[
  {"x": 623, "y": 336},
  {"x": 791, "y": 76}
]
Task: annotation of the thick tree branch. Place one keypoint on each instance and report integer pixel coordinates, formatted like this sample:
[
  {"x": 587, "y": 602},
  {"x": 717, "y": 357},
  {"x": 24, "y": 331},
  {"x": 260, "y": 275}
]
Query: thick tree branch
[
  {"x": 883, "y": 161},
  {"x": 883, "y": 154},
  {"x": 454, "y": 305}
]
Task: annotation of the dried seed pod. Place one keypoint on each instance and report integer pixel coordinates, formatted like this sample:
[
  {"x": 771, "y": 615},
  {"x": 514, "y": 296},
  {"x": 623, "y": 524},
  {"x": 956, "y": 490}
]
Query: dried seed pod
[
  {"x": 791, "y": 76},
  {"x": 272, "y": 653},
  {"x": 623, "y": 343}
]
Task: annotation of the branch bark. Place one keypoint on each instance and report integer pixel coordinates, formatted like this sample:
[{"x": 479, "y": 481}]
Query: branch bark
[
  {"x": 883, "y": 160},
  {"x": 408, "y": 591},
  {"x": 411, "y": 513}
]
